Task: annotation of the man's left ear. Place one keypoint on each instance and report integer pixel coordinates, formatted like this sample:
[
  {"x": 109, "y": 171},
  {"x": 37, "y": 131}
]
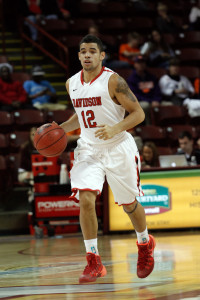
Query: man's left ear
[{"x": 102, "y": 56}]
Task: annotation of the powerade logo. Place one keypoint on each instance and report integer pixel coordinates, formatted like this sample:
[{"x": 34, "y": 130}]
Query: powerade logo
[{"x": 156, "y": 199}]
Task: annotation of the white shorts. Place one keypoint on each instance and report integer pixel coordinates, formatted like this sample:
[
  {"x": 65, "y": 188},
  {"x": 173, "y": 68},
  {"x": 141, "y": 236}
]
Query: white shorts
[{"x": 119, "y": 163}]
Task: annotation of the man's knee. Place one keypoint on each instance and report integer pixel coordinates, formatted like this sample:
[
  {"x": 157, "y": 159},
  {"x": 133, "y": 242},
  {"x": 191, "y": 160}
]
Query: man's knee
[
  {"x": 130, "y": 208},
  {"x": 87, "y": 199}
]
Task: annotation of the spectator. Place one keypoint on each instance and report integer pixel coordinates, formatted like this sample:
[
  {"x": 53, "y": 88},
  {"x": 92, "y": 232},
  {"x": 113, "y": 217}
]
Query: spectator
[
  {"x": 186, "y": 145},
  {"x": 149, "y": 156},
  {"x": 25, "y": 174},
  {"x": 12, "y": 93},
  {"x": 164, "y": 21},
  {"x": 128, "y": 51},
  {"x": 145, "y": 87},
  {"x": 38, "y": 10},
  {"x": 174, "y": 86},
  {"x": 194, "y": 15},
  {"x": 39, "y": 90},
  {"x": 157, "y": 50}
]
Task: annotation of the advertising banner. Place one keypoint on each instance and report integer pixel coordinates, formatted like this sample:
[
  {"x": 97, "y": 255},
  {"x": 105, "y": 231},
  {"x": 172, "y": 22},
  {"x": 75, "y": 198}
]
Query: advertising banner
[
  {"x": 171, "y": 200},
  {"x": 55, "y": 206}
]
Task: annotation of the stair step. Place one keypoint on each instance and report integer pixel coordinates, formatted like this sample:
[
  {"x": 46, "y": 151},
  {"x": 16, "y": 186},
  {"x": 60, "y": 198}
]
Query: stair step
[
  {"x": 16, "y": 50},
  {"x": 18, "y": 58},
  {"x": 48, "y": 68}
]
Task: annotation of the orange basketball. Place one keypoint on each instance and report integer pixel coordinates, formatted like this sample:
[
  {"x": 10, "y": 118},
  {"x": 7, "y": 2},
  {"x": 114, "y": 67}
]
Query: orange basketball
[{"x": 50, "y": 139}]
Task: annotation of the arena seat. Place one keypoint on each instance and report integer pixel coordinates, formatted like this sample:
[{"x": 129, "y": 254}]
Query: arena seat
[
  {"x": 59, "y": 116},
  {"x": 16, "y": 139},
  {"x": 189, "y": 39},
  {"x": 152, "y": 133},
  {"x": 173, "y": 132},
  {"x": 190, "y": 56},
  {"x": 191, "y": 72},
  {"x": 112, "y": 25},
  {"x": 164, "y": 150},
  {"x": 124, "y": 72},
  {"x": 27, "y": 118},
  {"x": 6, "y": 121},
  {"x": 3, "y": 144},
  {"x": 167, "y": 115}
]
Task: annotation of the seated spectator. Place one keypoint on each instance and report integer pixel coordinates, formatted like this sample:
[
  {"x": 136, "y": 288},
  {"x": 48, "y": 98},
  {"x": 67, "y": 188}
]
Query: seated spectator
[
  {"x": 38, "y": 10},
  {"x": 175, "y": 87},
  {"x": 164, "y": 21},
  {"x": 149, "y": 156},
  {"x": 157, "y": 51},
  {"x": 186, "y": 145},
  {"x": 194, "y": 15},
  {"x": 128, "y": 51},
  {"x": 39, "y": 90},
  {"x": 145, "y": 87},
  {"x": 12, "y": 94}
]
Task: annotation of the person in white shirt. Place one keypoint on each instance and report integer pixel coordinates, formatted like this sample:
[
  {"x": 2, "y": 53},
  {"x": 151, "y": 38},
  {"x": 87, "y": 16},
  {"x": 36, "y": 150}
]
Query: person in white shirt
[{"x": 175, "y": 87}]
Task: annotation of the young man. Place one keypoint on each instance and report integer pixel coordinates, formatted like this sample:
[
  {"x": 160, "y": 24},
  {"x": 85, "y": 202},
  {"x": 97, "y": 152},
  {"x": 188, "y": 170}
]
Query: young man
[
  {"x": 186, "y": 145},
  {"x": 100, "y": 98}
]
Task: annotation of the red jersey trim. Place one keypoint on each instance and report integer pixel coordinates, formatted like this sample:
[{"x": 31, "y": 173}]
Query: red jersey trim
[{"x": 102, "y": 70}]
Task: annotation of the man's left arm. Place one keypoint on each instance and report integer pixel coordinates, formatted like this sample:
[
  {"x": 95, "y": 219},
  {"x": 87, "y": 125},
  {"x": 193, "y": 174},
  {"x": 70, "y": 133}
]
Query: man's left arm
[{"x": 122, "y": 95}]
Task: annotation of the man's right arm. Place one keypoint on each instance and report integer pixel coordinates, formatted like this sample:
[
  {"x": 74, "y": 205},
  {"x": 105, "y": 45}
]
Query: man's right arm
[{"x": 72, "y": 123}]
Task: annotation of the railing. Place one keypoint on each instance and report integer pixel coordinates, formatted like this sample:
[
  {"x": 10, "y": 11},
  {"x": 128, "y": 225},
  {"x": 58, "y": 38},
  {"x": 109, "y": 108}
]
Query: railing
[{"x": 63, "y": 59}]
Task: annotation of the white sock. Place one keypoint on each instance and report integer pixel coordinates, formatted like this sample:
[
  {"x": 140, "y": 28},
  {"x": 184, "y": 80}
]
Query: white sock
[
  {"x": 91, "y": 246},
  {"x": 142, "y": 237}
]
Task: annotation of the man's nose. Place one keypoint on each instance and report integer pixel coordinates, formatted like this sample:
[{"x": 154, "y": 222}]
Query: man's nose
[{"x": 87, "y": 54}]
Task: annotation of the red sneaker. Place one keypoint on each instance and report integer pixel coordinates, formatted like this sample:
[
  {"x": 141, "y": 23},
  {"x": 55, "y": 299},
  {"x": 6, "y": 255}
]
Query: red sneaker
[
  {"x": 145, "y": 262},
  {"x": 93, "y": 270}
]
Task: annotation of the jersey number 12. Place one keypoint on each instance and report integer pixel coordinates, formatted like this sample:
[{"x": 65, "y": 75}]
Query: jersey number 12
[{"x": 88, "y": 119}]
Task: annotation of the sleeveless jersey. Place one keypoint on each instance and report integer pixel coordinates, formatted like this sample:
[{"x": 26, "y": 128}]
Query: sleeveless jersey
[{"x": 94, "y": 106}]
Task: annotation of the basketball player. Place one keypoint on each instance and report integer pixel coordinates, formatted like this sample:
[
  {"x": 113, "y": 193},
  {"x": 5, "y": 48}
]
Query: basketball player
[{"x": 100, "y": 98}]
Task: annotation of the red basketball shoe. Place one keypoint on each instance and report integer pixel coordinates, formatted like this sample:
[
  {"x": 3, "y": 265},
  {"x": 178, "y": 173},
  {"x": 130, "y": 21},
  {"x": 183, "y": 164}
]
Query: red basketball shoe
[
  {"x": 145, "y": 262},
  {"x": 93, "y": 270}
]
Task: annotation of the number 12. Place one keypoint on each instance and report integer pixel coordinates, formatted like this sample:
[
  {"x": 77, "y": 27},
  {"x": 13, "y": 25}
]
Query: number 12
[{"x": 88, "y": 119}]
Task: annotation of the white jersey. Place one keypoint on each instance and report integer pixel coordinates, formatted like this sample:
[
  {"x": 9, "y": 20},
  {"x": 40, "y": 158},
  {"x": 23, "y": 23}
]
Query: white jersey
[{"x": 94, "y": 106}]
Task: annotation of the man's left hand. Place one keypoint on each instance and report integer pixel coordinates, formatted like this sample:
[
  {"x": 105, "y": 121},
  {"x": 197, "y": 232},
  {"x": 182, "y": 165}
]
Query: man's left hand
[{"x": 105, "y": 132}]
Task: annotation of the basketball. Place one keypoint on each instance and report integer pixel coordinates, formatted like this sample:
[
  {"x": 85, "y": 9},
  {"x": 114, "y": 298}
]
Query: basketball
[{"x": 50, "y": 139}]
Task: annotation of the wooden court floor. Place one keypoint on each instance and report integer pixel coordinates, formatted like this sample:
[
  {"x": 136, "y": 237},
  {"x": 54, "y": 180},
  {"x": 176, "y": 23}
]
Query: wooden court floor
[{"x": 49, "y": 268}]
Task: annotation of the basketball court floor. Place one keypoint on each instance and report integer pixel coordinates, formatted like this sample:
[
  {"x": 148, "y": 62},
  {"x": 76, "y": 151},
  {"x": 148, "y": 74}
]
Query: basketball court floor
[{"x": 49, "y": 268}]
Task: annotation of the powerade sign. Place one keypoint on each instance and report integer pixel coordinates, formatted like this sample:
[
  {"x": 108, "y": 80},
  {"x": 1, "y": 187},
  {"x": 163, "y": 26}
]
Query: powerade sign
[{"x": 156, "y": 199}]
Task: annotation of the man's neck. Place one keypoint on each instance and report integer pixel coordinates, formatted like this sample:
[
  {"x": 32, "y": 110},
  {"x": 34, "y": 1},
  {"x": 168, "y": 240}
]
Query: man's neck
[{"x": 88, "y": 76}]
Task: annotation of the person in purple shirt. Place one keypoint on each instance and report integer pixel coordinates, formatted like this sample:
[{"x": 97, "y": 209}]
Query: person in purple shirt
[{"x": 145, "y": 87}]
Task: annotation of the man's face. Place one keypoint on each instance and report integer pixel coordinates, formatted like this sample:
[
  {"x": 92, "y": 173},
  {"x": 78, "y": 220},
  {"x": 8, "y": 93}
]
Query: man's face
[
  {"x": 5, "y": 73},
  {"x": 90, "y": 56},
  {"x": 174, "y": 70},
  {"x": 140, "y": 66},
  {"x": 186, "y": 145}
]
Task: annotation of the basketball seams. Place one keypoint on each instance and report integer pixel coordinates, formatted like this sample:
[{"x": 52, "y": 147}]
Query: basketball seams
[
  {"x": 55, "y": 154},
  {"x": 42, "y": 135},
  {"x": 53, "y": 142}
]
